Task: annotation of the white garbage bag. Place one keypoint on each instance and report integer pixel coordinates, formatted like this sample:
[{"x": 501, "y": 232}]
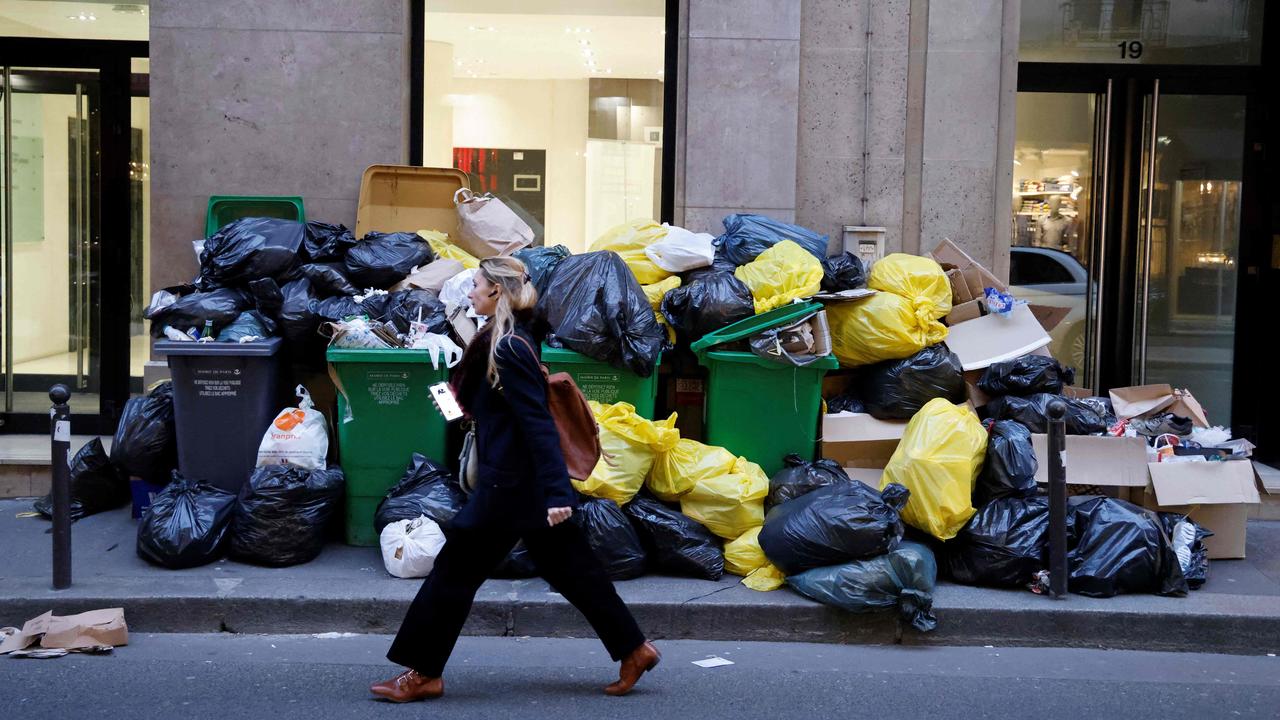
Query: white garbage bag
[
  {"x": 682, "y": 250},
  {"x": 298, "y": 436},
  {"x": 410, "y": 547},
  {"x": 457, "y": 289}
]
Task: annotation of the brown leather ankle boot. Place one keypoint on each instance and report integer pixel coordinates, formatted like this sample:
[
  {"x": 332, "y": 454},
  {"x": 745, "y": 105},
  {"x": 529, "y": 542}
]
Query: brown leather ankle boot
[
  {"x": 409, "y": 686},
  {"x": 641, "y": 660}
]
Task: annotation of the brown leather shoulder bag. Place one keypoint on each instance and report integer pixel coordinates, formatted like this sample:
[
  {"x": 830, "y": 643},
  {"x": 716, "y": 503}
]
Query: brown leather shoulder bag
[{"x": 579, "y": 433}]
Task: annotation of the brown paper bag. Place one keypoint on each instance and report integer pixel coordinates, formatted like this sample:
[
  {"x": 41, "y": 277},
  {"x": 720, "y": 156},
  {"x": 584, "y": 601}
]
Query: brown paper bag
[
  {"x": 487, "y": 227},
  {"x": 71, "y": 632}
]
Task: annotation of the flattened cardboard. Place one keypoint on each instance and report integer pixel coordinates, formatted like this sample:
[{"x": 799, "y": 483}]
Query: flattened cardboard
[
  {"x": 964, "y": 312},
  {"x": 948, "y": 253},
  {"x": 71, "y": 632},
  {"x": 1139, "y": 400},
  {"x": 995, "y": 338},
  {"x": 959, "y": 288},
  {"x": 431, "y": 276},
  {"x": 1097, "y": 460},
  {"x": 859, "y": 440},
  {"x": 1049, "y": 316}
]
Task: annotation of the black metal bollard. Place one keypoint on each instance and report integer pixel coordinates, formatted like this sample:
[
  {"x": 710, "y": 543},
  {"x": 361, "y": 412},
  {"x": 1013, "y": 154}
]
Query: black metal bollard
[
  {"x": 60, "y": 433},
  {"x": 1057, "y": 501}
]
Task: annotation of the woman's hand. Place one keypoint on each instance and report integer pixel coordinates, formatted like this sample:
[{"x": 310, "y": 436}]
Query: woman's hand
[{"x": 557, "y": 515}]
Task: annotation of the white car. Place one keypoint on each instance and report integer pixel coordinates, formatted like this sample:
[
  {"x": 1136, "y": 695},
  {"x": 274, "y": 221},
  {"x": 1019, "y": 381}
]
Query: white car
[{"x": 1043, "y": 276}]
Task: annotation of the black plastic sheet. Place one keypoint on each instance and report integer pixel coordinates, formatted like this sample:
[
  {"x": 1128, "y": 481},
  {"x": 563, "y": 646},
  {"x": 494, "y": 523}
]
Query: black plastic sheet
[
  {"x": 145, "y": 445},
  {"x": 843, "y": 272},
  {"x": 426, "y": 488},
  {"x": 676, "y": 544},
  {"x": 96, "y": 485},
  {"x": 1004, "y": 544},
  {"x": 1026, "y": 375},
  {"x": 612, "y": 538},
  {"x": 903, "y": 578},
  {"x": 800, "y": 476},
  {"x": 1121, "y": 548},
  {"x": 897, "y": 389},
  {"x": 541, "y": 263},
  {"x": 746, "y": 236},
  {"x": 249, "y": 249},
  {"x": 1033, "y": 411},
  {"x": 221, "y": 307},
  {"x": 186, "y": 524},
  {"x": 1009, "y": 469},
  {"x": 324, "y": 242},
  {"x": 381, "y": 260},
  {"x": 597, "y": 308},
  {"x": 833, "y": 524},
  {"x": 711, "y": 301}
]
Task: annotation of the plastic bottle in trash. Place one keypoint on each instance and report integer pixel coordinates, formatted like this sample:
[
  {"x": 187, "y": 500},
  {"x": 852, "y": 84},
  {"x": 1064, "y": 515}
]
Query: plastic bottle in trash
[{"x": 208, "y": 330}]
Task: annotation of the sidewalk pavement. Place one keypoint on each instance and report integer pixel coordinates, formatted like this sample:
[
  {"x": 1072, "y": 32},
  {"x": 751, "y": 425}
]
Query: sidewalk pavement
[{"x": 347, "y": 590}]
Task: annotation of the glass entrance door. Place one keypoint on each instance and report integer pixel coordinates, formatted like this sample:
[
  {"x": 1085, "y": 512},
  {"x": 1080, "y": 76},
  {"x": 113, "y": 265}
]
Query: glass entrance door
[
  {"x": 1188, "y": 250},
  {"x": 50, "y": 219}
]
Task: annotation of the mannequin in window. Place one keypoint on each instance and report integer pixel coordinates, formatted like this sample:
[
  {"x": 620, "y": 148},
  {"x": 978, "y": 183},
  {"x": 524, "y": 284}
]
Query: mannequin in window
[{"x": 1056, "y": 230}]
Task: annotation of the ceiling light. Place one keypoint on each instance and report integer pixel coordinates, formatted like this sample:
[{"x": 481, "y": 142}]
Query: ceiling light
[
  {"x": 609, "y": 70},
  {"x": 482, "y": 28},
  {"x": 83, "y": 17}
]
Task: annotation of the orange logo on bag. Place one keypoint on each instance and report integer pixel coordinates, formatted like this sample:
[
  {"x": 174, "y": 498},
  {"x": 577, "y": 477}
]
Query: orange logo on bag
[{"x": 290, "y": 419}]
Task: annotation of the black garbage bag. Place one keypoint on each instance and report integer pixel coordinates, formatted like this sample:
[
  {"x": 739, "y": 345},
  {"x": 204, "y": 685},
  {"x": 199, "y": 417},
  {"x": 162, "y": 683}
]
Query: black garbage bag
[
  {"x": 1026, "y": 375},
  {"x": 281, "y": 514},
  {"x": 1120, "y": 548},
  {"x": 267, "y": 295},
  {"x": 1102, "y": 406},
  {"x": 145, "y": 445},
  {"x": 612, "y": 538},
  {"x": 328, "y": 279},
  {"x": 676, "y": 544},
  {"x": 746, "y": 236},
  {"x": 249, "y": 249},
  {"x": 1033, "y": 411},
  {"x": 324, "y": 242},
  {"x": 250, "y": 323},
  {"x": 541, "y": 262},
  {"x": 406, "y": 306},
  {"x": 426, "y": 488},
  {"x": 802, "y": 476},
  {"x": 96, "y": 485},
  {"x": 1004, "y": 544},
  {"x": 518, "y": 565},
  {"x": 897, "y": 389},
  {"x": 1188, "y": 537},
  {"x": 186, "y": 524},
  {"x": 843, "y": 272},
  {"x": 381, "y": 260},
  {"x": 192, "y": 310},
  {"x": 712, "y": 301},
  {"x": 1010, "y": 466},
  {"x": 301, "y": 312},
  {"x": 846, "y": 402},
  {"x": 597, "y": 308},
  {"x": 903, "y": 578},
  {"x": 833, "y": 524}
]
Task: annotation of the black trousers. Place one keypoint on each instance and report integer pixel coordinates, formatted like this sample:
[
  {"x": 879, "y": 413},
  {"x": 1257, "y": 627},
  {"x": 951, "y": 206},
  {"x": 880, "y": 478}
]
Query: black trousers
[{"x": 563, "y": 558}]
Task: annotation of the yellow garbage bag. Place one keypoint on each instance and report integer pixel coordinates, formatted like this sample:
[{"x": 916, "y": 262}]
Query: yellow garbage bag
[
  {"x": 729, "y": 505},
  {"x": 630, "y": 443},
  {"x": 629, "y": 240},
  {"x": 676, "y": 471},
  {"x": 446, "y": 250},
  {"x": 781, "y": 274},
  {"x": 938, "y": 460},
  {"x": 654, "y": 292},
  {"x": 918, "y": 279},
  {"x": 884, "y": 326},
  {"x": 744, "y": 557}
]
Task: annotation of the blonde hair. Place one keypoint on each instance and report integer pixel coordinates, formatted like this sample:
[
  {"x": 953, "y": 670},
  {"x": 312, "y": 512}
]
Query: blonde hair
[{"x": 518, "y": 294}]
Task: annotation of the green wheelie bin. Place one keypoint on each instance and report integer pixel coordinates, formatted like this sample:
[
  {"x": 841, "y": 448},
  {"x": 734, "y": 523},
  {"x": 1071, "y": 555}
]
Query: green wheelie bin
[{"x": 603, "y": 382}]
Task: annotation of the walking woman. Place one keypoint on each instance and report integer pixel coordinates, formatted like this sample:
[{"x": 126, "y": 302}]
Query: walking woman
[{"x": 522, "y": 493}]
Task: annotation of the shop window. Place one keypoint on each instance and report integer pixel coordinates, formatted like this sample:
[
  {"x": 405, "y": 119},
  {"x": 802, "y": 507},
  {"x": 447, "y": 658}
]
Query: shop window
[
  {"x": 559, "y": 113},
  {"x": 75, "y": 20}
]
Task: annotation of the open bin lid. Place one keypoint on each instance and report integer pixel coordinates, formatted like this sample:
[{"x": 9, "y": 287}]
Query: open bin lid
[
  {"x": 405, "y": 198},
  {"x": 182, "y": 348},
  {"x": 785, "y": 315}
]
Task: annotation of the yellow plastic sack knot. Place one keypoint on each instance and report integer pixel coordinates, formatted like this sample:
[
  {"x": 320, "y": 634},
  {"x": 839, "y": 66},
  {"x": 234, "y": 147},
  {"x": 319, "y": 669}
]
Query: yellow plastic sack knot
[
  {"x": 445, "y": 250},
  {"x": 630, "y": 443},
  {"x": 629, "y": 240},
  {"x": 729, "y": 505},
  {"x": 676, "y": 471},
  {"x": 781, "y": 274},
  {"x": 938, "y": 460}
]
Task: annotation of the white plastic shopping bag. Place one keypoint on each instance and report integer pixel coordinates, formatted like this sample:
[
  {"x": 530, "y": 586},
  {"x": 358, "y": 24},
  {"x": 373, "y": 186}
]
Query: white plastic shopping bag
[
  {"x": 487, "y": 227},
  {"x": 410, "y": 547},
  {"x": 298, "y": 436},
  {"x": 682, "y": 250}
]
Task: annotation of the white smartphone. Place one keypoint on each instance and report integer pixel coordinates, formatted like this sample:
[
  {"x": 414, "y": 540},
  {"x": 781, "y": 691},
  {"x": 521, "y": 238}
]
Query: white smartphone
[{"x": 446, "y": 403}]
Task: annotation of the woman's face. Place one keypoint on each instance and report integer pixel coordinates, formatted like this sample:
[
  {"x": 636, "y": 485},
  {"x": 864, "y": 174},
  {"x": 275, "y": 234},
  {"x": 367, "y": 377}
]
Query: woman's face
[{"x": 484, "y": 295}]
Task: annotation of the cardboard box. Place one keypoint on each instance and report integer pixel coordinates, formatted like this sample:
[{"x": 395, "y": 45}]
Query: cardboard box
[
  {"x": 1049, "y": 316},
  {"x": 994, "y": 338},
  {"x": 867, "y": 476},
  {"x": 964, "y": 312},
  {"x": 976, "y": 277},
  {"x": 860, "y": 441},
  {"x": 1097, "y": 460},
  {"x": 1215, "y": 494},
  {"x": 1143, "y": 400}
]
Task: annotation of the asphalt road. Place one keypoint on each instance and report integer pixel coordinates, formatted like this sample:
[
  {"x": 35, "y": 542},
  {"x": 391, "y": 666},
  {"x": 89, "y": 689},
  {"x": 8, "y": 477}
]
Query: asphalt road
[{"x": 316, "y": 677}]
